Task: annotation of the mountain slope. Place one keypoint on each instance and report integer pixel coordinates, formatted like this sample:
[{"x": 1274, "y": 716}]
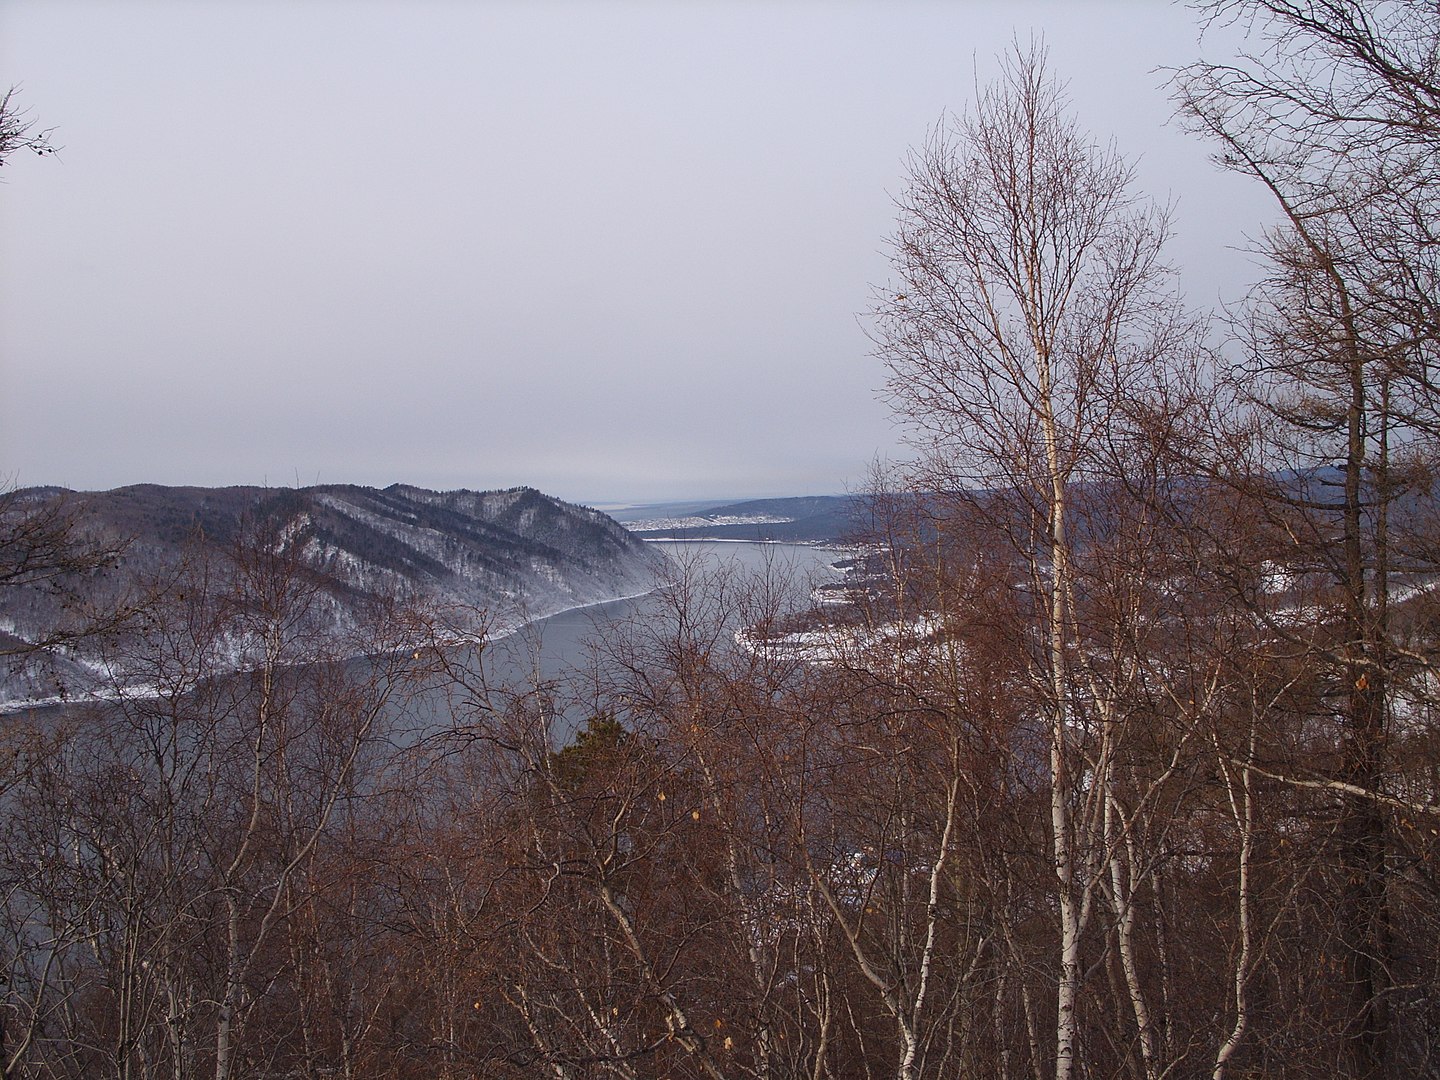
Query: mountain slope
[{"x": 515, "y": 555}]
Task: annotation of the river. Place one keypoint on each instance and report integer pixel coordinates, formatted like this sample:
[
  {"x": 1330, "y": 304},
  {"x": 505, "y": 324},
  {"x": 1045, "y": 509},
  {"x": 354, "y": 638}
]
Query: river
[
  {"x": 554, "y": 648},
  {"x": 551, "y": 650}
]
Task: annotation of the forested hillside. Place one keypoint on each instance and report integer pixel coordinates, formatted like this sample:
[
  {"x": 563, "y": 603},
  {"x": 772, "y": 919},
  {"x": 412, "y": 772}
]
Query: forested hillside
[
  {"x": 503, "y": 556},
  {"x": 1124, "y": 761}
]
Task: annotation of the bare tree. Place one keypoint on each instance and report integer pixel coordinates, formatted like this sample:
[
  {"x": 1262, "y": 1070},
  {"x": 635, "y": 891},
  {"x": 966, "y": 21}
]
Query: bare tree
[
  {"x": 17, "y": 129},
  {"x": 1335, "y": 111},
  {"x": 161, "y": 860},
  {"x": 1030, "y": 317}
]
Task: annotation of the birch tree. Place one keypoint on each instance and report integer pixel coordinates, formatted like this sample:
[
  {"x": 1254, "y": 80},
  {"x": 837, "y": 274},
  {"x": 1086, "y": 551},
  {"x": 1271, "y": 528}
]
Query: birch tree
[{"x": 1030, "y": 312}]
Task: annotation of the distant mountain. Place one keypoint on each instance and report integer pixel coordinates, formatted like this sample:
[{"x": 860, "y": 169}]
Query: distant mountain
[
  {"x": 811, "y": 518},
  {"x": 516, "y": 554}
]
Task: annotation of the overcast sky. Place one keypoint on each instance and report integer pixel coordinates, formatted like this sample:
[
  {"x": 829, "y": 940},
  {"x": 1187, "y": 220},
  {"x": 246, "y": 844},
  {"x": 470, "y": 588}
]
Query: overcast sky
[{"x": 619, "y": 252}]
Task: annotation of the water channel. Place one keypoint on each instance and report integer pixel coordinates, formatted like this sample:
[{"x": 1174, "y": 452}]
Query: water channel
[{"x": 551, "y": 650}]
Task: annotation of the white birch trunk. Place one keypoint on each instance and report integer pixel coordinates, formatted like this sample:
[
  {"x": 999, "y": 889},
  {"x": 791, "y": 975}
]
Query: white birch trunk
[{"x": 1244, "y": 814}]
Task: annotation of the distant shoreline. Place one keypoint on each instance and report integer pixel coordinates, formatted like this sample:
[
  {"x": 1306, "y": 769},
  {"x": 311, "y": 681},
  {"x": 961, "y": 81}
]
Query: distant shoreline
[
  {"x": 738, "y": 540},
  {"x": 503, "y": 634}
]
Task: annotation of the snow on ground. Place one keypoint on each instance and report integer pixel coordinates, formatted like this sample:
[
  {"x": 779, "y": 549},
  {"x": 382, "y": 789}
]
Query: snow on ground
[
  {"x": 655, "y": 524},
  {"x": 850, "y": 645}
]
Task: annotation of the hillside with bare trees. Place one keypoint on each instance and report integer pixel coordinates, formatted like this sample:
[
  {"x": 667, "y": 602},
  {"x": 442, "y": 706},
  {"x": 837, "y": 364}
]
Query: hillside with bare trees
[{"x": 1118, "y": 757}]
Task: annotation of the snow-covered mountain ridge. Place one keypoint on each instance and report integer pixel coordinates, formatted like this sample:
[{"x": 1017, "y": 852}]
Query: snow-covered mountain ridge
[{"x": 514, "y": 555}]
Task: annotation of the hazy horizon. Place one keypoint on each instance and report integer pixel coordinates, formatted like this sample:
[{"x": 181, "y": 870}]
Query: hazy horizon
[{"x": 619, "y": 252}]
